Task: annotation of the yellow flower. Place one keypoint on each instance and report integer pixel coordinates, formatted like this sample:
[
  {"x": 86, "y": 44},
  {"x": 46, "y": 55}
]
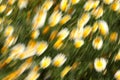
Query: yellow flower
[
  {"x": 64, "y": 5},
  {"x": 83, "y": 20},
  {"x": 59, "y": 60},
  {"x": 115, "y": 6},
  {"x": 100, "y": 64},
  {"x": 74, "y": 2},
  {"x": 113, "y": 36},
  {"x": 95, "y": 27},
  {"x": 11, "y": 2},
  {"x": 53, "y": 35},
  {"x": 78, "y": 43},
  {"x": 46, "y": 61},
  {"x": 63, "y": 34},
  {"x": 65, "y": 19},
  {"x": 39, "y": 19},
  {"x": 10, "y": 41},
  {"x": 96, "y": 3},
  {"x": 87, "y": 30},
  {"x": 88, "y": 5},
  {"x": 98, "y": 12},
  {"x": 117, "y": 75},
  {"x": 9, "y": 31},
  {"x": 47, "y": 5},
  {"x": 35, "y": 34},
  {"x": 55, "y": 18},
  {"x": 42, "y": 46},
  {"x": 2, "y": 8},
  {"x": 108, "y": 1},
  {"x": 58, "y": 44},
  {"x": 103, "y": 27},
  {"x": 46, "y": 29},
  {"x": 117, "y": 57},
  {"x": 65, "y": 71},
  {"x": 97, "y": 43},
  {"x": 22, "y": 4}
]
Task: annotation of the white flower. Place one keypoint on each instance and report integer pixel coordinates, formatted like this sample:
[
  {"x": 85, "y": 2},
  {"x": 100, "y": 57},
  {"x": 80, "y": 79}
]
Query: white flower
[
  {"x": 76, "y": 33},
  {"x": 11, "y": 2},
  {"x": 83, "y": 20},
  {"x": 63, "y": 34},
  {"x": 17, "y": 50},
  {"x": 46, "y": 61},
  {"x": 100, "y": 64},
  {"x": 9, "y": 31},
  {"x": 115, "y": 6},
  {"x": 55, "y": 18},
  {"x": 59, "y": 60},
  {"x": 117, "y": 75},
  {"x": 9, "y": 12},
  {"x": 10, "y": 41},
  {"x": 108, "y": 1},
  {"x": 97, "y": 43},
  {"x": 22, "y": 4},
  {"x": 41, "y": 47},
  {"x": 39, "y": 19},
  {"x": 103, "y": 27}
]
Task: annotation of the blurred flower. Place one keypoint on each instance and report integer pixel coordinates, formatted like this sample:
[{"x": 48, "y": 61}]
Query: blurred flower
[
  {"x": 88, "y": 5},
  {"x": 113, "y": 36},
  {"x": 97, "y": 43},
  {"x": 41, "y": 47},
  {"x": 100, "y": 64},
  {"x": 46, "y": 29},
  {"x": 9, "y": 31},
  {"x": 53, "y": 35},
  {"x": 46, "y": 61},
  {"x": 55, "y": 18},
  {"x": 64, "y": 5},
  {"x": 117, "y": 75},
  {"x": 47, "y": 5},
  {"x": 117, "y": 56},
  {"x": 83, "y": 20},
  {"x": 76, "y": 33},
  {"x": 74, "y": 2},
  {"x": 9, "y": 11},
  {"x": 115, "y": 6},
  {"x": 86, "y": 31},
  {"x": 11, "y": 2},
  {"x": 94, "y": 27},
  {"x": 39, "y": 19},
  {"x": 58, "y": 44},
  {"x": 98, "y": 12},
  {"x": 2, "y": 8},
  {"x": 96, "y": 3},
  {"x": 35, "y": 34},
  {"x": 108, "y": 1},
  {"x": 10, "y": 41},
  {"x": 63, "y": 34},
  {"x": 22, "y": 4},
  {"x": 78, "y": 43},
  {"x": 59, "y": 60},
  {"x": 65, "y": 19},
  {"x": 103, "y": 27},
  {"x": 65, "y": 71}
]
